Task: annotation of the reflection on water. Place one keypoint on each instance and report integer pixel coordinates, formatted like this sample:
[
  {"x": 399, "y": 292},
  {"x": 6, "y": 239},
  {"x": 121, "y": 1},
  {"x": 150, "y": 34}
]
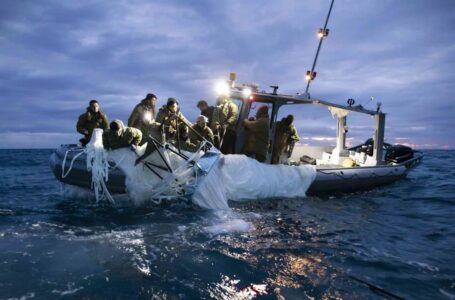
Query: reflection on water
[
  {"x": 228, "y": 288},
  {"x": 399, "y": 238},
  {"x": 132, "y": 243}
]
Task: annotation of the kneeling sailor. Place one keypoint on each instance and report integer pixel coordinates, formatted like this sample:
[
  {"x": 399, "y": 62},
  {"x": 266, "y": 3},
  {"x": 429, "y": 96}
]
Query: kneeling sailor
[{"x": 119, "y": 136}]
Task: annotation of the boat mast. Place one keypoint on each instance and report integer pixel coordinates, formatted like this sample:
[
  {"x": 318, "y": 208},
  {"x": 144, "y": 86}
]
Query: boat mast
[{"x": 323, "y": 32}]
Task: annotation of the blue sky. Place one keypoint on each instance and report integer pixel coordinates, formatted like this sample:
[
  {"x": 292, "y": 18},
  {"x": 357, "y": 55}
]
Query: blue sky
[{"x": 57, "y": 55}]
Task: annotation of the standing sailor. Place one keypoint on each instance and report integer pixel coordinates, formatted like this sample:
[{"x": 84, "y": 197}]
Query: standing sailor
[
  {"x": 91, "y": 119},
  {"x": 206, "y": 111},
  {"x": 293, "y": 136},
  {"x": 257, "y": 140},
  {"x": 223, "y": 124},
  {"x": 285, "y": 138},
  {"x": 143, "y": 116}
]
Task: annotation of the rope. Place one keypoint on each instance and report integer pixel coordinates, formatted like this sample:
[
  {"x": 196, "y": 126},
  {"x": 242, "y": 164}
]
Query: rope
[
  {"x": 99, "y": 166},
  {"x": 72, "y": 162}
]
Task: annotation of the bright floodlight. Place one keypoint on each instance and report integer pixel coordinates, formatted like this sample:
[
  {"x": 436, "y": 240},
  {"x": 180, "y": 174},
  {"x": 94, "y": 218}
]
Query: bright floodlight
[
  {"x": 246, "y": 92},
  {"x": 222, "y": 88}
]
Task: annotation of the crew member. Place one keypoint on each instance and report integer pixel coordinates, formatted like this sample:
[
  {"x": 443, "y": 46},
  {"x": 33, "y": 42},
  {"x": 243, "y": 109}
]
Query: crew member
[
  {"x": 257, "y": 138},
  {"x": 293, "y": 136},
  {"x": 169, "y": 116},
  {"x": 206, "y": 111},
  {"x": 119, "y": 136},
  {"x": 223, "y": 124},
  {"x": 91, "y": 119},
  {"x": 285, "y": 137},
  {"x": 201, "y": 130},
  {"x": 143, "y": 116}
]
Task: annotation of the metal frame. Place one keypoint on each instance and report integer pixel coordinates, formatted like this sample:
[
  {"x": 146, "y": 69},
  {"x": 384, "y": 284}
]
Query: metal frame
[{"x": 280, "y": 100}]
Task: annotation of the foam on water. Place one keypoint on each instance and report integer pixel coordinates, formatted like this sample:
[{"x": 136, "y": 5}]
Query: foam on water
[
  {"x": 227, "y": 221},
  {"x": 75, "y": 192},
  {"x": 231, "y": 226},
  {"x": 295, "y": 249}
]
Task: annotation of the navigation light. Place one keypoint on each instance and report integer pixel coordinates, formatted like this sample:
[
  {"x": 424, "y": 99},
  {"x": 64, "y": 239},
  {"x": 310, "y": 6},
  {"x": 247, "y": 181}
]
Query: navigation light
[
  {"x": 246, "y": 92},
  {"x": 323, "y": 32},
  {"x": 310, "y": 75}
]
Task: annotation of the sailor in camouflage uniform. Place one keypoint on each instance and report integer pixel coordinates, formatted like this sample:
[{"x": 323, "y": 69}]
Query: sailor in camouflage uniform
[
  {"x": 143, "y": 117},
  {"x": 169, "y": 116},
  {"x": 119, "y": 136},
  {"x": 257, "y": 138},
  {"x": 201, "y": 130},
  {"x": 223, "y": 125},
  {"x": 91, "y": 119},
  {"x": 285, "y": 137}
]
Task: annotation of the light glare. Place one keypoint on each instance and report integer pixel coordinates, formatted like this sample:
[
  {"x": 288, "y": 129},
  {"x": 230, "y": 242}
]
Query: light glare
[
  {"x": 147, "y": 117},
  {"x": 222, "y": 88},
  {"x": 246, "y": 92}
]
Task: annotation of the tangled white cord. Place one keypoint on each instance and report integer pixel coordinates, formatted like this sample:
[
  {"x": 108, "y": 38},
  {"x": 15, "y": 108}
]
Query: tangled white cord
[
  {"x": 97, "y": 163},
  {"x": 99, "y": 166}
]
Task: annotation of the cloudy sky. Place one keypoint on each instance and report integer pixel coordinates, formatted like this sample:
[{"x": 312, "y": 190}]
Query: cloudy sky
[{"x": 57, "y": 55}]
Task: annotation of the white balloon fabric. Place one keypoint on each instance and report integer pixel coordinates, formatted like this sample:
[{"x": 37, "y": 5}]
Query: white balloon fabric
[{"x": 240, "y": 178}]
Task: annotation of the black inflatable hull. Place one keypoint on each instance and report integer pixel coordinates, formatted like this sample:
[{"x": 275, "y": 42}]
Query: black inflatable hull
[
  {"x": 327, "y": 181},
  {"x": 348, "y": 180},
  {"x": 79, "y": 176}
]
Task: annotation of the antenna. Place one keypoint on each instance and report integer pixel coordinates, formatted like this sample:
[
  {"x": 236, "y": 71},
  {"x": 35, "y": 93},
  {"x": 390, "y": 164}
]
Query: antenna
[{"x": 323, "y": 32}]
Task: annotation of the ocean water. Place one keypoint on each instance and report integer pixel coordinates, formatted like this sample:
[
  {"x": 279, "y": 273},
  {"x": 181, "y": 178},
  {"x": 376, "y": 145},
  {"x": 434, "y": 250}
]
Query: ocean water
[{"x": 398, "y": 239}]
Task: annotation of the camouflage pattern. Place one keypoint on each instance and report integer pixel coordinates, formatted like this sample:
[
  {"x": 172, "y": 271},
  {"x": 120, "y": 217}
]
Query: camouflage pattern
[
  {"x": 125, "y": 137},
  {"x": 257, "y": 138},
  {"x": 225, "y": 115},
  {"x": 206, "y": 133},
  {"x": 285, "y": 136},
  {"x": 293, "y": 134},
  {"x": 137, "y": 119},
  {"x": 188, "y": 146},
  {"x": 169, "y": 122},
  {"x": 89, "y": 121}
]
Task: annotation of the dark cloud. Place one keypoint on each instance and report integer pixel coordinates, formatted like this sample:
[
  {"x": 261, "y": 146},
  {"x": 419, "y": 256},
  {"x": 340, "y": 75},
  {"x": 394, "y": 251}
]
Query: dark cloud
[{"x": 57, "y": 55}]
